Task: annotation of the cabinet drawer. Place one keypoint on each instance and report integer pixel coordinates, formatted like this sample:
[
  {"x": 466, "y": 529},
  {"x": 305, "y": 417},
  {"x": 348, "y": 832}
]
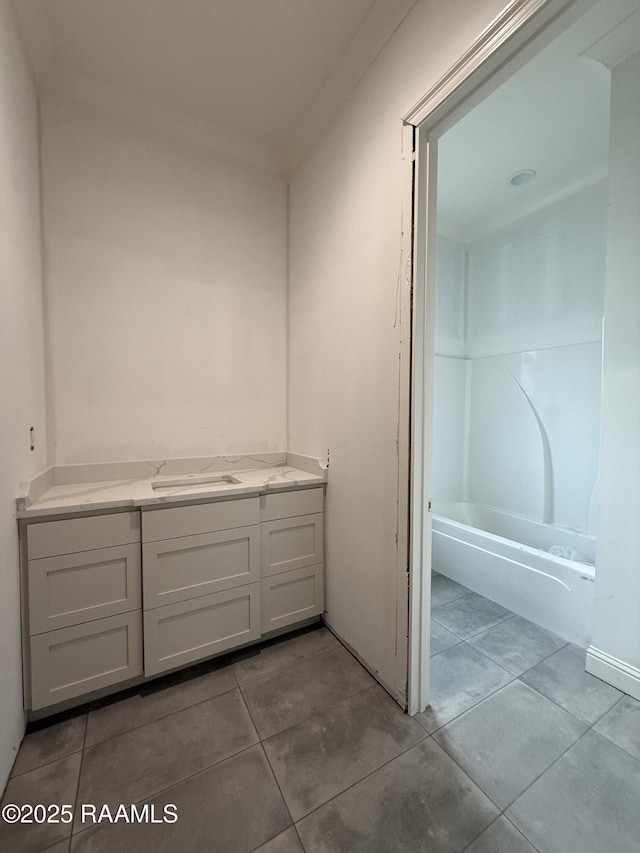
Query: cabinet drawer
[
  {"x": 191, "y": 566},
  {"x": 173, "y": 522},
  {"x": 74, "y": 661},
  {"x": 182, "y": 633},
  {"x": 51, "y": 538},
  {"x": 291, "y": 543},
  {"x": 290, "y": 597},
  {"x": 76, "y": 588},
  {"x": 287, "y": 504}
]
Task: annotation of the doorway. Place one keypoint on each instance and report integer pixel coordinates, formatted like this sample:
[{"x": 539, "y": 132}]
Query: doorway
[{"x": 512, "y": 251}]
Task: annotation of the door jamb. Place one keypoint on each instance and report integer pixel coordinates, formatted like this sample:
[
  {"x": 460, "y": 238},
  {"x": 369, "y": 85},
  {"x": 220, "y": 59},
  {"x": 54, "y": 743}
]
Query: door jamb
[{"x": 517, "y": 34}]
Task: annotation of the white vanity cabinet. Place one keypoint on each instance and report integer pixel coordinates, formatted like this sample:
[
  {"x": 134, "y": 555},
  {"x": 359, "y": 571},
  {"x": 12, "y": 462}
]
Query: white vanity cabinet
[
  {"x": 201, "y": 581},
  {"x": 118, "y": 596},
  {"x": 292, "y": 554},
  {"x": 84, "y": 617}
]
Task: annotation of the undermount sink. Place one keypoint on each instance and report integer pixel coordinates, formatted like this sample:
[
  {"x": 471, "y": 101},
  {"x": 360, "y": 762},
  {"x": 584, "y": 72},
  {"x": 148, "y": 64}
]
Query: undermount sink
[{"x": 171, "y": 483}]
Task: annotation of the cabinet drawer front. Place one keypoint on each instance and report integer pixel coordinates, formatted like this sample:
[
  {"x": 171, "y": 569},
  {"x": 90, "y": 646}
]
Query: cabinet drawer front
[
  {"x": 191, "y": 566},
  {"x": 183, "y": 633},
  {"x": 290, "y": 597},
  {"x": 76, "y": 588},
  {"x": 291, "y": 543},
  {"x": 173, "y": 522},
  {"x": 287, "y": 504},
  {"x": 74, "y": 661},
  {"x": 51, "y": 538}
]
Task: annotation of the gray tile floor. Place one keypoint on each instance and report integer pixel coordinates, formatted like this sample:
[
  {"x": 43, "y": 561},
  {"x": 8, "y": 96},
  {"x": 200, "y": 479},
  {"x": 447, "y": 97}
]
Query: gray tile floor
[{"x": 293, "y": 747}]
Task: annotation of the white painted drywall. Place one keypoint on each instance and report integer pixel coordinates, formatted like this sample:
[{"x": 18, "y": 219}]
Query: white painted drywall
[
  {"x": 345, "y": 330},
  {"x": 166, "y": 277},
  {"x": 21, "y": 352},
  {"x": 617, "y": 607}
]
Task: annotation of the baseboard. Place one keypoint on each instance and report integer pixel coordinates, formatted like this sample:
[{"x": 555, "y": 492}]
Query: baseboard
[{"x": 614, "y": 671}]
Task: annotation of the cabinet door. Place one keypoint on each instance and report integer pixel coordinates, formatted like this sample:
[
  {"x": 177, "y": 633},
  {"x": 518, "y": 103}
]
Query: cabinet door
[
  {"x": 76, "y": 588},
  {"x": 291, "y": 597},
  {"x": 182, "y": 633},
  {"x": 74, "y": 661},
  {"x": 191, "y": 566},
  {"x": 291, "y": 543}
]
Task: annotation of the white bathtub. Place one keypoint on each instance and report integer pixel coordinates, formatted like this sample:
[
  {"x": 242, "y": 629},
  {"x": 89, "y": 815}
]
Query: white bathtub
[{"x": 504, "y": 557}]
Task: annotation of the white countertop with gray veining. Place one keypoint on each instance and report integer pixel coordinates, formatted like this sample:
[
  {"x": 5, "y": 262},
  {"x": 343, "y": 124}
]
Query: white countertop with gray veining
[{"x": 87, "y": 488}]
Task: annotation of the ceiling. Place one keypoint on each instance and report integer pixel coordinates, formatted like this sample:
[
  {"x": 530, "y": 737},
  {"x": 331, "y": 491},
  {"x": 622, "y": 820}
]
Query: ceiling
[
  {"x": 552, "y": 116},
  {"x": 250, "y": 66}
]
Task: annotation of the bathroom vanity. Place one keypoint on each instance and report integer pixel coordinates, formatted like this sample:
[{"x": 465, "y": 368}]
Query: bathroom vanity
[{"x": 124, "y": 579}]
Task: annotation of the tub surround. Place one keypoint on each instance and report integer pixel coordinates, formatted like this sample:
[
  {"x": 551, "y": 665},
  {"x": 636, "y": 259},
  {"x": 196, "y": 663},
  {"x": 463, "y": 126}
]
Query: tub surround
[
  {"x": 60, "y": 489},
  {"x": 506, "y": 558}
]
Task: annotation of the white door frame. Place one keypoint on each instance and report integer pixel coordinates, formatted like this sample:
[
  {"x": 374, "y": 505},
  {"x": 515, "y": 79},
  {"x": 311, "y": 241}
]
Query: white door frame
[{"x": 517, "y": 34}]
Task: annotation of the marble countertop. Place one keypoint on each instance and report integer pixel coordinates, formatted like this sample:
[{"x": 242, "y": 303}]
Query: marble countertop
[{"x": 85, "y": 488}]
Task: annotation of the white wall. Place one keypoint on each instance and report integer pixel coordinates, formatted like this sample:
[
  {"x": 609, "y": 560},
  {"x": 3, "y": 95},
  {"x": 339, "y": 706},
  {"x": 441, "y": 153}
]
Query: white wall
[
  {"x": 166, "y": 277},
  {"x": 532, "y": 305},
  {"x": 21, "y": 352},
  {"x": 346, "y": 282},
  {"x": 617, "y": 608}
]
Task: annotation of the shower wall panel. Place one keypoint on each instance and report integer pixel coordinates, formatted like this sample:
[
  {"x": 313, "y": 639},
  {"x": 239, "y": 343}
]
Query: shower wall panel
[
  {"x": 533, "y": 442},
  {"x": 517, "y": 410},
  {"x": 539, "y": 281}
]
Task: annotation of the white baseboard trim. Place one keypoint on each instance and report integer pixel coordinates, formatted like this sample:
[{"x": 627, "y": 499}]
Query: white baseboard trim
[{"x": 614, "y": 671}]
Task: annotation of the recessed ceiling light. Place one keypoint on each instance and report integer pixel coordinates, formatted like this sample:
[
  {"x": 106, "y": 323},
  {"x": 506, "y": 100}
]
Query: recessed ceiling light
[{"x": 524, "y": 176}]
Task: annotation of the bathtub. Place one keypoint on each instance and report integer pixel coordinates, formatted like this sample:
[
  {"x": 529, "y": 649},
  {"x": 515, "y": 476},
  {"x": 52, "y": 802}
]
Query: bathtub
[{"x": 505, "y": 557}]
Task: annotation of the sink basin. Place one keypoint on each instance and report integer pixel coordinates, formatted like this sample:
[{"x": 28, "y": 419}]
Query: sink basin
[{"x": 193, "y": 480}]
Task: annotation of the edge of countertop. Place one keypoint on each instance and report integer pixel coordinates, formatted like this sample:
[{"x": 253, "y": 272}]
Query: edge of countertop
[{"x": 35, "y": 488}]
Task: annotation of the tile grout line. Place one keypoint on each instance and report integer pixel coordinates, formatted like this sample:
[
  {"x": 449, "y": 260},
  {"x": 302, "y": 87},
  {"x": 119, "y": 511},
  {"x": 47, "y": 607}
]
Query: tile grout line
[
  {"x": 326, "y": 712},
  {"x": 293, "y": 822},
  {"x": 507, "y": 818},
  {"x": 275, "y": 778},
  {"x": 351, "y": 695},
  {"x": 299, "y": 837},
  {"x": 562, "y": 708},
  {"x": 533, "y": 666},
  {"x": 75, "y": 803},
  {"x": 493, "y": 822},
  {"x": 502, "y": 811},
  {"x": 237, "y": 686},
  {"x": 422, "y": 740},
  {"x": 468, "y": 775},
  {"x": 162, "y": 717},
  {"x": 613, "y": 743},
  {"x": 287, "y": 667},
  {"x": 45, "y": 764},
  {"x": 538, "y": 777},
  {"x": 512, "y": 679},
  {"x": 175, "y": 784},
  {"x": 475, "y": 704},
  {"x": 51, "y": 722},
  {"x": 542, "y": 772},
  {"x": 153, "y": 794},
  {"x": 477, "y": 633},
  {"x": 602, "y": 734}
]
